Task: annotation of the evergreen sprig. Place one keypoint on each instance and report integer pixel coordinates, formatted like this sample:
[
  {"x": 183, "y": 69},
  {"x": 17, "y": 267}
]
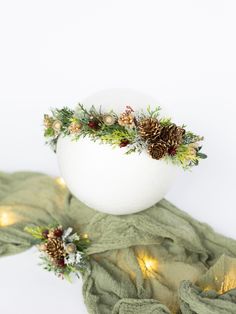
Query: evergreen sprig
[{"x": 62, "y": 251}]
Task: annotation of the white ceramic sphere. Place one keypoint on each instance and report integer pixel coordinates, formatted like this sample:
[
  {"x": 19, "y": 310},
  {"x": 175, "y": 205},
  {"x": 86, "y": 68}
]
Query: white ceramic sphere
[{"x": 107, "y": 179}]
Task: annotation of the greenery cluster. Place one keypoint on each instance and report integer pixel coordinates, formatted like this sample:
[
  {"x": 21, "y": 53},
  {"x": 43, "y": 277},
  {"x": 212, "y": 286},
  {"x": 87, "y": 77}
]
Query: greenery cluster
[
  {"x": 74, "y": 262},
  {"x": 92, "y": 123}
]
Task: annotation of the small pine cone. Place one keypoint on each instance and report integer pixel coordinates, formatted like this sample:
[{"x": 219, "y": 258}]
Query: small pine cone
[
  {"x": 55, "y": 248},
  {"x": 157, "y": 150},
  {"x": 75, "y": 127},
  {"x": 172, "y": 135},
  {"x": 149, "y": 129},
  {"x": 126, "y": 119}
]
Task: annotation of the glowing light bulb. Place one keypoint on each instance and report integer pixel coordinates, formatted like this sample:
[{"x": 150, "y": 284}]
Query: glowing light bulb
[
  {"x": 208, "y": 288},
  {"x": 60, "y": 181},
  {"x": 229, "y": 282},
  {"x": 85, "y": 236},
  {"x": 7, "y": 217},
  {"x": 148, "y": 265},
  {"x": 4, "y": 219},
  {"x": 224, "y": 284}
]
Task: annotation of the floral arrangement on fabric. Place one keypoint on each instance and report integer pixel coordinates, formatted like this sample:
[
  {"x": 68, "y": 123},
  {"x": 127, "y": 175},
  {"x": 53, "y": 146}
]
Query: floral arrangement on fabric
[
  {"x": 62, "y": 251},
  {"x": 137, "y": 131}
]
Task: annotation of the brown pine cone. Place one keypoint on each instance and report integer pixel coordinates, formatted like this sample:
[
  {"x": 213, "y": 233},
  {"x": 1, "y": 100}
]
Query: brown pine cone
[
  {"x": 55, "y": 248},
  {"x": 157, "y": 150},
  {"x": 172, "y": 135},
  {"x": 149, "y": 129}
]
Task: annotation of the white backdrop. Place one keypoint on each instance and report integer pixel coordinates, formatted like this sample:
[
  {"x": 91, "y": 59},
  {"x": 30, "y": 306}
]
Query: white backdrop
[{"x": 55, "y": 53}]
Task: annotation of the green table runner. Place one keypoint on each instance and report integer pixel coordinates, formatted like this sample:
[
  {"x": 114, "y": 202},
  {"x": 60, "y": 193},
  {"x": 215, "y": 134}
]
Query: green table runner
[{"x": 150, "y": 262}]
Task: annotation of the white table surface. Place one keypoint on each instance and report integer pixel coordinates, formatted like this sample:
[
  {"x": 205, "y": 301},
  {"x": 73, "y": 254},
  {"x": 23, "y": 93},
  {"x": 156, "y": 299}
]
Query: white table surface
[{"x": 26, "y": 288}]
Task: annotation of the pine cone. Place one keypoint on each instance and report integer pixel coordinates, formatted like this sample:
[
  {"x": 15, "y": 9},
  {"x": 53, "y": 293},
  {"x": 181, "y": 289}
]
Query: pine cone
[
  {"x": 126, "y": 119},
  {"x": 55, "y": 248},
  {"x": 157, "y": 150},
  {"x": 149, "y": 129},
  {"x": 172, "y": 135}
]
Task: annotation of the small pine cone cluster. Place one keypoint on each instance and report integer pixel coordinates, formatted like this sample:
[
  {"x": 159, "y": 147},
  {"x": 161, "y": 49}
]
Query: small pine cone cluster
[
  {"x": 55, "y": 248},
  {"x": 149, "y": 129},
  {"x": 126, "y": 119},
  {"x": 161, "y": 140}
]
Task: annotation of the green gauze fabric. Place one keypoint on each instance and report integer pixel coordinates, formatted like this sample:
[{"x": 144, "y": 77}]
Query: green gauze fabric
[{"x": 149, "y": 262}]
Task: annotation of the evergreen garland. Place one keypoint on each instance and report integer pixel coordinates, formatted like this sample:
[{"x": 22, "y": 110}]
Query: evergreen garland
[{"x": 157, "y": 135}]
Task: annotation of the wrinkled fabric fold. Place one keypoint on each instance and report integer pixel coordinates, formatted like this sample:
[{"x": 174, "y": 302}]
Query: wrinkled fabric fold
[{"x": 118, "y": 280}]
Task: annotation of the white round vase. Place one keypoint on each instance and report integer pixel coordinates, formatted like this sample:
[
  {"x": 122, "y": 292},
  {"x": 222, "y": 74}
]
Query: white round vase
[{"x": 107, "y": 179}]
